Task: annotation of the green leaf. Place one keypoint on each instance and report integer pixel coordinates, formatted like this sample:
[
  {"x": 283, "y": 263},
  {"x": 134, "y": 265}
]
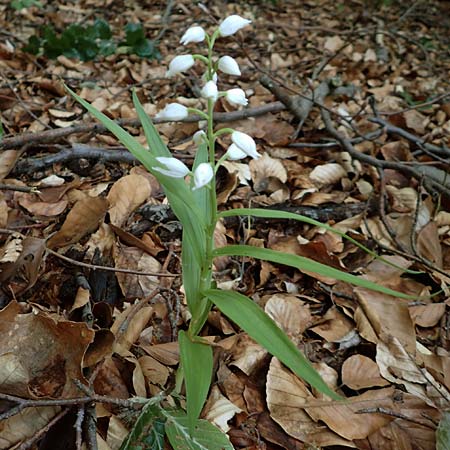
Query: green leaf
[
  {"x": 102, "y": 29},
  {"x": 149, "y": 423},
  {"x": 274, "y": 214},
  {"x": 134, "y": 33},
  {"x": 443, "y": 432},
  {"x": 260, "y": 327},
  {"x": 197, "y": 362},
  {"x": 205, "y": 436},
  {"x": 306, "y": 264}
]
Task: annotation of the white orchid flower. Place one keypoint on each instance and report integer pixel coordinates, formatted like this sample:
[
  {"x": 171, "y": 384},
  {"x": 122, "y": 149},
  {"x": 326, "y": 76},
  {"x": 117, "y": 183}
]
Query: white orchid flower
[
  {"x": 203, "y": 174},
  {"x": 193, "y": 34},
  {"x": 245, "y": 143},
  {"x": 236, "y": 97},
  {"x": 232, "y": 24},
  {"x": 173, "y": 111},
  {"x": 174, "y": 167},
  {"x": 199, "y": 137},
  {"x": 228, "y": 65},
  {"x": 210, "y": 91},
  {"x": 234, "y": 153},
  {"x": 180, "y": 64}
]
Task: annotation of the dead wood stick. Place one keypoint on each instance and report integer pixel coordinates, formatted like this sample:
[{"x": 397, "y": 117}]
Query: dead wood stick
[{"x": 45, "y": 137}]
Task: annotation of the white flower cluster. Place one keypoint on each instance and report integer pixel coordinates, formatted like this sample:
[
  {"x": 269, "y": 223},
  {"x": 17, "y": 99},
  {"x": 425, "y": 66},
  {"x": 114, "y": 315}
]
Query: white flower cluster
[{"x": 243, "y": 145}]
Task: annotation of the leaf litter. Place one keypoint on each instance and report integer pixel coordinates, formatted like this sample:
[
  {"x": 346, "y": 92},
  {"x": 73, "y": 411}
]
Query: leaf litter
[{"x": 116, "y": 332}]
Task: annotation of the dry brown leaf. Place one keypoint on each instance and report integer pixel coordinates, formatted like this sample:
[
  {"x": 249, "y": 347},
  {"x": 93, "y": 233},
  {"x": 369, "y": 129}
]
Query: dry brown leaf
[
  {"x": 46, "y": 209},
  {"x": 286, "y": 398},
  {"x": 334, "y": 326},
  {"x": 128, "y": 326},
  {"x": 219, "y": 410},
  {"x": 8, "y": 159},
  {"x": 427, "y": 315},
  {"x": 134, "y": 258},
  {"x": 125, "y": 196},
  {"x": 327, "y": 174},
  {"x": 290, "y": 313},
  {"x": 25, "y": 424},
  {"x": 428, "y": 244},
  {"x": 231, "y": 385},
  {"x": 154, "y": 372},
  {"x": 168, "y": 353},
  {"x": 83, "y": 218},
  {"x": 117, "y": 432},
  {"x": 360, "y": 372},
  {"x": 389, "y": 316},
  {"x": 42, "y": 355},
  {"x": 265, "y": 168},
  {"x": 416, "y": 121}
]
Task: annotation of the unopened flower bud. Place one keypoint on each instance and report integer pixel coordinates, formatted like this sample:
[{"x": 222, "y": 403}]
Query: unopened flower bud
[
  {"x": 174, "y": 167},
  {"x": 228, "y": 65},
  {"x": 232, "y": 24},
  {"x": 210, "y": 90},
  {"x": 245, "y": 143},
  {"x": 236, "y": 97},
  {"x": 173, "y": 111},
  {"x": 180, "y": 64},
  {"x": 193, "y": 34},
  {"x": 199, "y": 137},
  {"x": 203, "y": 174},
  {"x": 234, "y": 153}
]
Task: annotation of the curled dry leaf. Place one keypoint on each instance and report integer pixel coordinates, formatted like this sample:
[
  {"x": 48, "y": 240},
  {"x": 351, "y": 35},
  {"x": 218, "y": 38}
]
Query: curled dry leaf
[
  {"x": 427, "y": 315},
  {"x": 42, "y": 355},
  {"x": 360, "y": 372},
  {"x": 334, "y": 327},
  {"x": 125, "y": 196},
  {"x": 167, "y": 353},
  {"x": 327, "y": 174},
  {"x": 83, "y": 218},
  {"x": 219, "y": 410},
  {"x": 428, "y": 244},
  {"x": 46, "y": 209},
  {"x": 154, "y": 372},
  {"x": 264, "y": 168}
]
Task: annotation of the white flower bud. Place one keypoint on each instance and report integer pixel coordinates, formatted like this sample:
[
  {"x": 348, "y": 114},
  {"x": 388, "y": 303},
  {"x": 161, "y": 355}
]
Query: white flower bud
[
  {"x": 193, "y": 34},
  {"x": 174, "y": 167},
  {"x": 236, "y": 97},
  {"x": 202, "y": 175},
  {"x": 245, "y": 143},
  {"x": 228, "y": 65},
  {"x": 210, "y": 90},
  {"x": 173, "y": 111},
  {"x": 180, "y": 64},
  {"x": 232, "y": 24},
  {"x": 199, "y": 137},
  {"x": 234, "y": 153}
]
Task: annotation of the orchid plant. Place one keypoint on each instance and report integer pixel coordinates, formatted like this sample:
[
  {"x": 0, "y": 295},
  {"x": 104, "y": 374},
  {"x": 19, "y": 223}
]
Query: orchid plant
[{"x": 192, "y": 195}]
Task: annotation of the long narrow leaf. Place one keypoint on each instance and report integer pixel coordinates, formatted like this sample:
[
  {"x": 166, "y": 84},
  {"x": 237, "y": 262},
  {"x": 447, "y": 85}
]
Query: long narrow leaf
[
  {"x": 260, "y": 327},
  {"x": 274, "y": 214},
  {"x": 197, "y": 362},
  {"x": 303, "y": 263}
]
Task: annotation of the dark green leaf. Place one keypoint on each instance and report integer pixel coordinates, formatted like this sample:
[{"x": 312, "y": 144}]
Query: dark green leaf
[
  {"x": 134, "y": 33},
  {"x": 306, "y": 264},
  {"x": 260, "y": 327},
  {"x": 197, "y": 362},
  {"x": 443, "y": 432}
]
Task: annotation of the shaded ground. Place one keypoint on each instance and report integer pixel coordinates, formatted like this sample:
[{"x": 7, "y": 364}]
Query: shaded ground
[{"x": 370, "y": 156}]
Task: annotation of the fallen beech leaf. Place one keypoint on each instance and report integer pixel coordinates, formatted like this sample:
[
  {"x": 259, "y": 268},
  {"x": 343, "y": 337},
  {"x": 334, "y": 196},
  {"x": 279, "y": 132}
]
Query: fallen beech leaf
[
  {"x": 168, "y": 353},
  {"x": 290, "y": 313},
  {"x": 427, "y": 315},
  {"x": 154, "y": 372},
  {"x": 265, "y": 167},
  {"x": 47, "y": 209},
  {"x": 8, "y": 159},
  {"x": 117, "y": 432},
  {"x": 360, "y": 372},
  {"x": 334, "y": 327},
  {"x": 219, "y": 410},
  {"x": 42, "y": 355},
  {"x": 327, "y": 174},
  {"x": 83, "y": 218},
  {"x": 125, "y": 196},
  {"x": 416, "y": 121},
  {"x": 134, "y": 258},
  {"x": 428, "y": 244}
]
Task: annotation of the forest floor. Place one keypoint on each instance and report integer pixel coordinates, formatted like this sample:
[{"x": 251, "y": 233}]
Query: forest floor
[{"x": 349, "y": 103}]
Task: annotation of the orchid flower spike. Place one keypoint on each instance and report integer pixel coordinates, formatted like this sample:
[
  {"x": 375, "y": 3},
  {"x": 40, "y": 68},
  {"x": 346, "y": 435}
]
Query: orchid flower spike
[
  {"x": 174, "y": 167},
  {"x": 173, "y": 111},
  {"x": 180, "y": 64},
  {"x": 203, "y": 174},
  {"x": 234, "y": 153},
  {"x": 210, "y": 91},
  {"x": 228, "y": 65},
  {"x": 232, "y": 24},
  {"x": 193, "y": 34},
  {"x": 236, "y": 97},
  {"x": 245, "y": 143}
]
